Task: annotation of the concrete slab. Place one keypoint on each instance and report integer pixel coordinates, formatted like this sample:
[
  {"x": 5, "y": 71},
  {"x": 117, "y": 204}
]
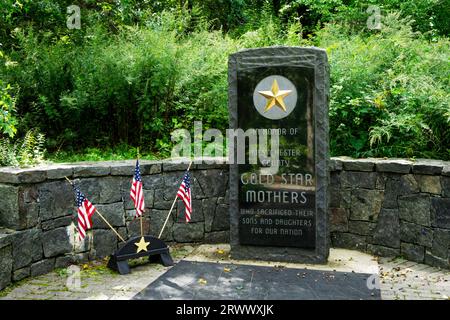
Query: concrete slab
[{"x": 190, "y": 280}]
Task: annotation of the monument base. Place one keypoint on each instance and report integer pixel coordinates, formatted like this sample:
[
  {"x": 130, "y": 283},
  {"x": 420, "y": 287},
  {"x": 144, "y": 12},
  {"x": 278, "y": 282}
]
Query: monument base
[
  {"x": 277, "y": 254},
  {"x": 137, "y": 247}
]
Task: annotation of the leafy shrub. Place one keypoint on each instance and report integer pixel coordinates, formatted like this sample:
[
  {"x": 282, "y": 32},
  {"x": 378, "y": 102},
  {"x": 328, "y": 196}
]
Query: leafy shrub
[
  {"x": 27, "y": 151},
  {"x": 115, "y": 85},
  {"x": 8, "y": 120},
  {"x": 389, "y": 94}
]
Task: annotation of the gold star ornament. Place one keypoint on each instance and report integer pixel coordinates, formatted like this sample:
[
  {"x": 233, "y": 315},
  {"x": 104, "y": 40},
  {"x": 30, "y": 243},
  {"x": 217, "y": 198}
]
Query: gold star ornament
[
  {"x": 275, "y": 97},
  {"x": 142, "y": 245}
]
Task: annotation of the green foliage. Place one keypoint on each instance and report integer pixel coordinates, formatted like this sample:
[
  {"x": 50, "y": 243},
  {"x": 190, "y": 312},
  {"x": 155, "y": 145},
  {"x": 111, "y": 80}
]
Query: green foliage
[
  {"x": 8, "y": 121},
  {"x": 389, "y": 94},
  {"x": 26, "y": 151},
  {"x": 120, "y": 152},
  {"x": 139, "y": 69}
]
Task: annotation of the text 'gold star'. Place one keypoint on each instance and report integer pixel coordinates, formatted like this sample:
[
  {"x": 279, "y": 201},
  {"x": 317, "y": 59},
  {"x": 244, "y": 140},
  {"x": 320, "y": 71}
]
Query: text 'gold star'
[
  {"x": 275, "y": 97},
  {"x": 142, "y": 245}
]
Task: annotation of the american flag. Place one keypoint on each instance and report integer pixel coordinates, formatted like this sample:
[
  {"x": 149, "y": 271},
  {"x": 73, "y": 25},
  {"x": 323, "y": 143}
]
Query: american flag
[
  {"x": 136, "y": 192},
  {"x": 184, "y": 193},
  {"x": 85, "y": 211}
]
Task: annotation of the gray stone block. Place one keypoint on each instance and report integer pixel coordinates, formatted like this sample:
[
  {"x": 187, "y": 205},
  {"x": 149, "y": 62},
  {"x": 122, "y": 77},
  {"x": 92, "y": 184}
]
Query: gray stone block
[
  {"x": 9, "y": 206},
  {"x": 335, "y": 199},
  {"x": 445, "y": 183},
  {"x": 157, "y": 218},
  {"x": 101, "y": 190},
  {"x": 208, "y": 163},
  {"x": 380, "y": 183},
  {"x": 153, "y": 168},
  {"x": 382, "y": 251},
  {"x": 359, "y": 164},
  {"x": 155, "y": 181},
  {"x": 134, "y": 227},
  {"x": 440, "y": 212},
  {"x": 114, "y": 213},
  {"x": 387, "y": 231},
  {"x": 57, "y": 199},
  {"x": 209, "y": 211},
  {"x": 435, "y": 261},
  {"x": 56, "y": 242},
  {"x": 6, "y": 264},
  {"x": 366, "y": 204},
  {"x": 446, "y": 170},
  {"x": 354, "y": 179},
  {"x": 188, "y": 232},
  {"x": 441, "y": 243},
  {"x": 42, "y": 267},
  {"x": 163, "y": 201},
  {"x": 21, "y": 274},
  {"x": 362, "y": 228},
  {"x": 428, "y": 166},
  {"x": 224, "y": 200},
  {"x": 217, "y": 237},
  {"x": 27, "y": 175},
  {"x": 394, "y": 166},
  {"x": 27, "y": 247},
  {"x": 168, "y": 166},
  {"x": 18, "y": 207},
  {"x": 335, "y": 164},
  {"x": 348, "y": 241},
  {"x": 64, "y": 262},
  {"x": 413, "y": 252},
  {"x": 105, "y": 243},
  {"x": 92, "y": 170},
  {"x": 415, "y": 209},
  {"x": 197, "y": 211},
  {"x": 57, "y": 223},
  {"x": 429, "y": 184},
  {"x": 212, "y": 182},
  {"x": 221, "y": 218},
  {"x": 345, "y": 198},
  {"x": 125, "y": 168},
  {"x": 398, "y": 186},
  {"x": 413, "y": 233},
  {"x": 338, "y": 219},
  {"x": 59, "y": 172}
]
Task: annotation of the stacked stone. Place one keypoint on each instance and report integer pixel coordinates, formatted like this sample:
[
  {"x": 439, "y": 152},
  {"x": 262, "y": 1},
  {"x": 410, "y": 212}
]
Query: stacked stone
[
  {"x": 386, "y": 207},
  {"x": 38, "y": 213},
  {"x": 392, "y": 208}
]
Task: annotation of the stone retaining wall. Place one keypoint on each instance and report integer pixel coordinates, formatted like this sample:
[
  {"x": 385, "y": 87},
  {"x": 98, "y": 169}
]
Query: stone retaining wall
[
  {"x": 386, "y": 207},
  {"x": 38, "y": 215},
  {"x": 392, "y": 208}
]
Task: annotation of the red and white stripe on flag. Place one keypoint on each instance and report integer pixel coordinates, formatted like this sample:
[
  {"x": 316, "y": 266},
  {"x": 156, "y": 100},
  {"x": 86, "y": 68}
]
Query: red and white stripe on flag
[
  {"x": 136, "y": 192},
  {"x": 184, "y": 193},
  {"x": 85, "y": 211}
]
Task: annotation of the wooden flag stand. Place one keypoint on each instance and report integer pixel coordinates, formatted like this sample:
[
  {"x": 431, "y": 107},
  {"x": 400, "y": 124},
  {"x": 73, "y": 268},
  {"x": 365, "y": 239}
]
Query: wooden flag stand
[
  {"x": 136, "y": 247},
  {"x": 143, "y": 246},
  {"x": 140, "y": 246}
]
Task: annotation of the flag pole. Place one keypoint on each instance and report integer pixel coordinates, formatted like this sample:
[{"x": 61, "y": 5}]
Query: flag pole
[
  {"x": 171, "y": 208},
  {"x": 101, "y": 216},
  {"x": 140, "y": 218}
]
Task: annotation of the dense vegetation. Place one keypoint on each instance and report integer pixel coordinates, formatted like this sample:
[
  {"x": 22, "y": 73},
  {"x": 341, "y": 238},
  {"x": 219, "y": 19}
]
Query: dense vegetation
[{"x": 136, "y": 70}]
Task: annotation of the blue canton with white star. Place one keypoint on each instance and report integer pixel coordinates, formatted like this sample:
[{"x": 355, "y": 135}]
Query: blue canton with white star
[
  {"x": 187, "y": 182},
  {"x": 137, "y": 172},
  {"x": 80, "y": 198}
]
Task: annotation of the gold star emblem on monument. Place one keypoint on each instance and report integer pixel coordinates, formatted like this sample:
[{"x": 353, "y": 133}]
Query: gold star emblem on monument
[
  {"x": 275, "y": 97},
  {"x": 142, "y": 245}
]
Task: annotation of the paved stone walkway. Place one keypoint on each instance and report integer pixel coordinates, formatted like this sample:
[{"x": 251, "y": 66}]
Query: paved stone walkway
[{"x": 399, "y": 278}]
